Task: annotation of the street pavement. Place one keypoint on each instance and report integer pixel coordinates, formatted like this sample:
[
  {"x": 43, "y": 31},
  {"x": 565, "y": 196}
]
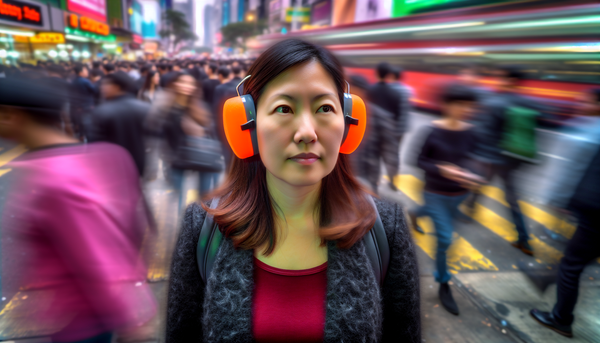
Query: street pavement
[{"x": 494, "y": 284}]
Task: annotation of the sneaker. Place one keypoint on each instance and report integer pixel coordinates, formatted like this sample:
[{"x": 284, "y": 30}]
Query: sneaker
[
  {"x": 524, "y": 247},
  {"x": 412, "y": 217},
  {"x": 393, "y": 187},
  {"x": 547, "y": 320},
  {"x": 447, "y": 300}
]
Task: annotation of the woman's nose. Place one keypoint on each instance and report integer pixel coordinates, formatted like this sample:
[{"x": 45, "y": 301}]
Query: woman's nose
[{"x": 305, "y": 131}]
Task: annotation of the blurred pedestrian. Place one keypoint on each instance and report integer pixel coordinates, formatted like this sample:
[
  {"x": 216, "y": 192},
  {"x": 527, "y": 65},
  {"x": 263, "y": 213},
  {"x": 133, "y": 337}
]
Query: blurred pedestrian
[
  {"x": 120, "y": 119},
  {"x": 444, "y": 158},
  {"x": 75, "y": 223},
  {"x": 223, "y": 92},
  {"x": 490, "y": 154},
  {"x": 151, "y": 86},
  {"x": 403, "y": 123},
  {"x": 366, "y": 160},
  {"x": 109, "y": 68},
  {"x": 189, "y": 121},
  {"x": 581, "y": 249},
  {"x": 209, "y": 84},
  {"x": 392, "y": 100},
  {"x": 83, "y": 99},
  {"x": 293, "y": 218},
  {"x": 580, "y": 142}
]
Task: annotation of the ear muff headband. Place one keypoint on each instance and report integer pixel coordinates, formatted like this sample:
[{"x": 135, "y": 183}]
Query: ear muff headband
[{"x": 239, "y": 123}]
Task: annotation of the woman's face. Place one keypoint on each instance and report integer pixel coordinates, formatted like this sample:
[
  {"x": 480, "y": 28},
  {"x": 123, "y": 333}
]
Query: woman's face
[
  {"x": 185, "y": 85},
  {"x": 300, "y": 125}
]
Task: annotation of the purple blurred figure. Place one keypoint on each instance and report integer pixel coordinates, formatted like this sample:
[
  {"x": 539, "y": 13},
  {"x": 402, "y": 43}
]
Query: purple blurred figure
[{"x": 73, "y": 226}]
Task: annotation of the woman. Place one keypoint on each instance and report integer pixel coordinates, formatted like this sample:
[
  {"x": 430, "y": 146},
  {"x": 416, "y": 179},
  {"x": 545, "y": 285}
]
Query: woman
[
  {"x": 151, "y": 85},
  {"x": 292, "y": 266},
  {"x": 444, "y": 157},
  {"x": 186, "y": 116}
]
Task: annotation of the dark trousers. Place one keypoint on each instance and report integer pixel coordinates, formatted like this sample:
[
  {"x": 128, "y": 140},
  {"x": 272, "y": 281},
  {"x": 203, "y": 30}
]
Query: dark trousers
[
  {"x": 391, "y": 156},
  {"x": 102, "y": 338},
  {"x": 506, "y": 172},
  {"x": 583, "y": 248}
]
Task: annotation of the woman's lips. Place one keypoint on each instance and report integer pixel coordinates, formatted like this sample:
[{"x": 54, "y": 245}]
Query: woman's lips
[{"x": 305, "y": 160}]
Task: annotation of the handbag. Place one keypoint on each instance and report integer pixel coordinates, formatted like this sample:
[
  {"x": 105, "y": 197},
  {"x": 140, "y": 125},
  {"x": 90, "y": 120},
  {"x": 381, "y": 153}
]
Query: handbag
[{"x": 200, "y": 154}]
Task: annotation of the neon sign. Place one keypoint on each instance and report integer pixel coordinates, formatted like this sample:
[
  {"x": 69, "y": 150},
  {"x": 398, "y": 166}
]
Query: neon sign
[
  {"x": 87, "y": 24},
  {"x": 20, "y": 12}
]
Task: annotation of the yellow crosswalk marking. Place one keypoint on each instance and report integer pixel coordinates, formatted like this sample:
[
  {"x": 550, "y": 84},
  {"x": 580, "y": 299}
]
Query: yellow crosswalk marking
[
  {"x": 550, "y": 221},
  {"x": 191, "y": 196},
  {"x": 412, "y": 187},
  {"x": 4, "y": 171},
  {"x": 461, "y": 255},
  {"x": 506, "y": 230},
  {"x": 11, "y": 154}
]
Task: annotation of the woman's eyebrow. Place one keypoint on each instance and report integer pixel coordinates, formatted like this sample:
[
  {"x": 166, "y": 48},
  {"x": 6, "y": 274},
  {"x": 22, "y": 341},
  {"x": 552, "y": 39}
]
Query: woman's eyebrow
[{"x": 291, "y": 98}]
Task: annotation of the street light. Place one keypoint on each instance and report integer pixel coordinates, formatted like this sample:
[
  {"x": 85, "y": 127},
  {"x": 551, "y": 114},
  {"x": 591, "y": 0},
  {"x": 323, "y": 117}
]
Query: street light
[
  {"x": 85, "y": 54},
  {"x": 2, "y": 53},
  {"x": 75, "y": 54},
  {"x": 52, "y": 54}
]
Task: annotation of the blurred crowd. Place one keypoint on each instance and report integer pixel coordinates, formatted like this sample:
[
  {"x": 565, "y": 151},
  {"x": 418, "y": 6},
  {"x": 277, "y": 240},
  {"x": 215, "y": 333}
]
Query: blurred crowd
[{"x": 77, "y": 215}]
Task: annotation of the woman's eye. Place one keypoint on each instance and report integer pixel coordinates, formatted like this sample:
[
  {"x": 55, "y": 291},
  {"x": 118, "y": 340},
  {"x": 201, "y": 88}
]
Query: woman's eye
[
  {"x": 283, "y": 109},
  {"x": 325, "y": 109}
]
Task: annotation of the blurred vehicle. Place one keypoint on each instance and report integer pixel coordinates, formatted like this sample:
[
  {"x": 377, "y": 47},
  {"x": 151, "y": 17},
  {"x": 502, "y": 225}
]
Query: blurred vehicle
[{"x": 555, "y": 42}]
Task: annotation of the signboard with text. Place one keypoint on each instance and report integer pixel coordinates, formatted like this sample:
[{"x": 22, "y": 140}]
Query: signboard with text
[
  {"x": 95, "y": 9},
  {"x": 19, "y": 12},
  {"x": 87, "y": 24}
]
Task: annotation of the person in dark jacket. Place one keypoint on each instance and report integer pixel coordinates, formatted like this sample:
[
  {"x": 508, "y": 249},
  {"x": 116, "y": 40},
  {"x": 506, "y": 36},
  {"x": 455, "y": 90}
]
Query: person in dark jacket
[
  {"x": 488, "y": 156},
  {"x": 444, "y": 158},
  {"x": 581, "y": 250},
  {"x": 83, "y": 98},
  {"x": 376, "y": 143},
  {"x": 209, "y": 84},
  {"x": 293, "y": 219},
  {"x": 223, "y": 92},
  {"x": 389, "y": 99},
  {"x": 120, "y": 119}
]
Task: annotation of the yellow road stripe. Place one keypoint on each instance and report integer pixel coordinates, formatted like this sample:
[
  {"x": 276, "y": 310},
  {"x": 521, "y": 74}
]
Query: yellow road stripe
[
  {"x": 192, "y": 195},
  {"x": 506, "y": 230},
  {"x": 461, "y": 255},
  {"x": 4, "y": 171},
  {"x": 11, "y": 154},
  {"x": 550, "y": 221}
]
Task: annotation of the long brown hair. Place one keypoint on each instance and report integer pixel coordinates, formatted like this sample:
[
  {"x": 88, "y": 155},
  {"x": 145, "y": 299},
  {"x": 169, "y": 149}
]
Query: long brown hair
[{"x": 246, "y": 211}]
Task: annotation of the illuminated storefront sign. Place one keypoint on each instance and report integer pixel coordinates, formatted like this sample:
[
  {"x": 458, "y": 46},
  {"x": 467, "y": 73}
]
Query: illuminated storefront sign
[
  {"x": 95, "y": 9},
  {"x": 87, "y": 24},
  {"x": 21, "y": 13},
  {"x": 301, "y": 15},
  {"x": 48, "y": 37}
]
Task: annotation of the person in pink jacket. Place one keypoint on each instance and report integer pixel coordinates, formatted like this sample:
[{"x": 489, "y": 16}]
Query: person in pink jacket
[{"x": 72, "y": 226}]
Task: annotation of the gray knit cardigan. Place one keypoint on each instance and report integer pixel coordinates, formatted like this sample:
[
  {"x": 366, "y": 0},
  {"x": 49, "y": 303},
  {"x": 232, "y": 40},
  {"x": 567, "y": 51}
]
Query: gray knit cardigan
[{"x": 357, "y": 310}]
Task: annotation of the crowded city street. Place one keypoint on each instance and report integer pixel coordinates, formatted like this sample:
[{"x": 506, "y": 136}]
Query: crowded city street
[{"x": 176, "y": 171}]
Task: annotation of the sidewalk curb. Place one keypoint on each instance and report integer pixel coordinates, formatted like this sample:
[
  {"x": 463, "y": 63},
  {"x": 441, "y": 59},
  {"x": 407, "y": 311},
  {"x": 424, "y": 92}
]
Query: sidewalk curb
[{"x": 476, "y": 300}]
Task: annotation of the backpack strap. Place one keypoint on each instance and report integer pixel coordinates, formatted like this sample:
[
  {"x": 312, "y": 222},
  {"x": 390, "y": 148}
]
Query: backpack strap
[
  {"x": 208, "y": 244},
  {"x": 376, "y": 246}
]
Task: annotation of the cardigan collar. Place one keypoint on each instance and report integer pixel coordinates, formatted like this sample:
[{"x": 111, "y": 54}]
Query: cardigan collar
[{"x": 353, "y": 309}]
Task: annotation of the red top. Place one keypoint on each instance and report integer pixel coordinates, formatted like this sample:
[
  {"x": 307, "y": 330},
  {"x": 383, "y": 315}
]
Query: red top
[{"x": 289, "y": 305}]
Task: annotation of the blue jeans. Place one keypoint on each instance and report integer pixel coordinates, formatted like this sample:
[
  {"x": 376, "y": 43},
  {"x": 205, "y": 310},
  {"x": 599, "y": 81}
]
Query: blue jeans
[
  {"x": 442, "y": 209},
  {"x": 206, "y": 182}
]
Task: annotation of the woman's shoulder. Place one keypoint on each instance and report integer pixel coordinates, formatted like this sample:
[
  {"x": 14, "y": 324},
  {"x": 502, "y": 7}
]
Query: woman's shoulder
[
  {"x": 192, "y": 222},
  {"x": 392, "y": 217}
]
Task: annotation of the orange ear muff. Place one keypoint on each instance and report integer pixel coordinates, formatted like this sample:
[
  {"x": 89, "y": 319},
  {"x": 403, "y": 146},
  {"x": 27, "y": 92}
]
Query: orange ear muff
[
  {"x": 355, "y": 115},
  {"x": 239, "y": 122}
]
